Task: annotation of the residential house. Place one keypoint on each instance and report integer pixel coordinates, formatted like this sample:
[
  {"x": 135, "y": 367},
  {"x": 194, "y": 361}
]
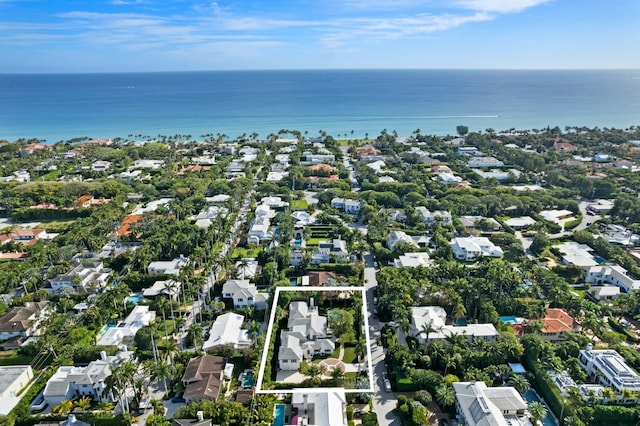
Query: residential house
[
  {"x": 448, "y": 178},
  {"x": 322, "y": 278},
  {"x": 13, "y": 380},
  {"x": 557, "y": 216},
  {"x": 227, "y": 330},
  {"x": 259, "y": 229},
  {"x": 329, "y": 251},
  {"x": 311, "y": 158},
  {"x": 614, "y": 275},
  {"x": 171, "y": 267},
  {"x": 609, "y": 368},
  {"x": 25, "y": 236},
  {"x": 471, "y": 248},
  {"x": 125, "y": 331},
  {"x": 412, "y": 260},
  {"x": 479, "y": 405},
  {"x": 558, "y": 324},
  {"x": 244, "y": 294},
  {"x": 347, "y": 205},
  {"x": 82, "y": 278},
  {"x": 484, "y": 162},
  {"x": 198, "y": 421},
  {"x": 296, "y": 257},
  {"x": 100, "y": 166},
  {"x": 319, "y": 408},
  {"x": 470, "y": 151},
  {"x": 147, "y": 164},
  {"x": 306, "y": 335},
  {"x": 573, "y": 253},
  {"x": 397, "y": 237},
  {"x": 489, "y": 224},
  {"x": 442, "y": 217},
  {"x": 520, "y": 223},
  {"x": 607, "y": 292},
  {"x": 422, "y": 316},
  {"x": 202, "y": 379},
  {"x": 70, "y": 382},
  {"x": 170, "y": 288},
  {"x": 23, "y": 321}
]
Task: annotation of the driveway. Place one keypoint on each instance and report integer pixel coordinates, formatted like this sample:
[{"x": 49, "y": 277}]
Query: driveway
[{"x": 383, "y": 402}]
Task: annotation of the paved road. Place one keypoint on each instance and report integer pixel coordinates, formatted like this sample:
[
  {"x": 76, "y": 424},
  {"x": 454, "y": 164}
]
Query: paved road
[
  {"x": 383, "y": 402},
  {"x": 586, "y": 219}
]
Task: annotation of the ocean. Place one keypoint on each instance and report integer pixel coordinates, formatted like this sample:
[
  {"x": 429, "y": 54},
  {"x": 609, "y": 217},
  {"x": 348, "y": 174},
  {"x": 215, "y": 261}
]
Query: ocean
[{"x": 344, "y": 103}]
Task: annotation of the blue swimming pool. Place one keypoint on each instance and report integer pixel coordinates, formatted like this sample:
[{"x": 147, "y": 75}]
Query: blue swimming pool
[
  {"x": 532, "y": 396},
  {"x": 508, "y": 319},
  {"x": 248, "y": 380},
  {"x": 135, "y": 299},
  {"x": 278, "y": 415},
  {"x": 293, "y": 281}
]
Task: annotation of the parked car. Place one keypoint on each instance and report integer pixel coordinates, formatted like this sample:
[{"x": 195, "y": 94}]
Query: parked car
[
  {"x": 176, "y": 399},
  {"x": 386, "y": 382}
]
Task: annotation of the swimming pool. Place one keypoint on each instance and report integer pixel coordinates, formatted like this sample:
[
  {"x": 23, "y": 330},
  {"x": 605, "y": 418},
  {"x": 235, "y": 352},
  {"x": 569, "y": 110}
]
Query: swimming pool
[
  {"x": 134, "y": 299},
  {"x": 293, "y": 281},
  {"x": 509, "y": 319},
  {"x": 278, "y": 415},
  {"x": 532, "y": 396},
  {"x": 247, "y": 380}
]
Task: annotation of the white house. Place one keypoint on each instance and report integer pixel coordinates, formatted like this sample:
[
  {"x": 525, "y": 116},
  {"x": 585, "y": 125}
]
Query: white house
[
  {"x": 484, "y": 162},
  {"x": 227, "y": 330},
  {"x": 438, "y": 216},
  {"x": 479, "y": 405},
  {"x": 606, "y": 292},
  {"x": 147, "y": 164},
  {"x": 329, "y": 250},
  {"x": 612, "y": 274},
  {"x": 74, "y": 382},
  {"x": 305, "y": 336},
  {"x": 470, "y": 248},
  {"x": 397, "y": 237},
  {"x": 519, "y": 223},
  {"x": 84, "y": 277},
  {"x": 433, "y": 316},
  {"x": 125, "y": 331},
  {"x": 13, "y": 379},
  {"x": 448, "y": 178},
  {"x": 101, "y": 166},
  {"x": 412, "y": 260},
  {"x": 169, "y": 288},
  {"x": 576, "y": 254},
  {"x": 609, "y": 368},
  {"x": 171, "y": 267},
  {"x": 347, "y": 205},
  {"x": 321, "y": 408},
  {"x": 244, "y": 294}
]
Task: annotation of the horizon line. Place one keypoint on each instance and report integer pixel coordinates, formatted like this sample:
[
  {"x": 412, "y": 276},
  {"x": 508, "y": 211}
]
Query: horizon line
[{"x": 316, "y": 70}]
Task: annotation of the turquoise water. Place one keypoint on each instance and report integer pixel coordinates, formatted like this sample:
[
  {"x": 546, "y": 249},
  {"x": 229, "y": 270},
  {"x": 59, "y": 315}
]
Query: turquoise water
[
  {"x": 135, "y": 299},
  {"x": 599, "y": 259},
  {"x": 532, "y": 396},
  {"x": 293, "y": 281},
  {"x": 509, "y": 319},
  {"x": 278, "y": 415},
  {"x": 248, "y": 380},
  {"x": 353, "y": 102}
]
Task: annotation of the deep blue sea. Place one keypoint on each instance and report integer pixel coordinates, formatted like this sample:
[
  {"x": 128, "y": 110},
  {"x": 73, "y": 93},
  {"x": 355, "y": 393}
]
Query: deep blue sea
[{"x": 62, "y": 106}]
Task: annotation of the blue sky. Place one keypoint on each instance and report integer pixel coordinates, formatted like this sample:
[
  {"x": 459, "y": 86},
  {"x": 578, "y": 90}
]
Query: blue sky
[{"x": 168, "y": 35}]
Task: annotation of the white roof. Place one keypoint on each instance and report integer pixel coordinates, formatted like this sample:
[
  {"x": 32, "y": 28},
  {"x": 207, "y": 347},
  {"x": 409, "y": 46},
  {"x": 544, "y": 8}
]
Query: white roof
[
  {"x": 412, "y": 260},
  {"x": 576, "y": 254},
  {"x": 227, "y": 328},
  {"x": 520, "y": 222},
  {"x": 329, "y": 406}
]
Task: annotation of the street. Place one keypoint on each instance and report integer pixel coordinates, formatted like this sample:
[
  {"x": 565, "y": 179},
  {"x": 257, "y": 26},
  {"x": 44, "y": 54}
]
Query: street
[{"x": 383, "y": 402}]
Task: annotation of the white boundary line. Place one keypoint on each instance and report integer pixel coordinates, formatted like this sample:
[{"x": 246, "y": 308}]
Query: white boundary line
[{"x": 265, "y": 351}]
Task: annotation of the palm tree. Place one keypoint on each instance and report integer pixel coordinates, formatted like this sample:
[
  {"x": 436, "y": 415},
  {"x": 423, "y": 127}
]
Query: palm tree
[
  {"x": 537, "y": 411},
  {"x": 243, "y": 265},
  {"x": 360, "y": 349},
  {"x": 519, "y": 382},
  {"x": 196, "y": 334},
  {"x": 160, "y": 371},
  {"x": 105, "y": 406},
  {"x": 337, "y": 375},
  {"x": 445, "y": 395},
  {"x": 315, "y": 372},
  {"x": 64, "y": 408},
  {"x": 254, "y": 331},
  {"x": 427, "y": 328},
  {"x": 82, "y": 404}
]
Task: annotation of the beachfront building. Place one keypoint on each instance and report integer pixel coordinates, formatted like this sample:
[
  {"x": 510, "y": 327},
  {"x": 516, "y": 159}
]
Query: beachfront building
[
  {"x": 479, "y": 405},
  {"x": 472, "y": 248},
  {"x": 306, "y": 335},
  {"x": 609, "y": 368}
]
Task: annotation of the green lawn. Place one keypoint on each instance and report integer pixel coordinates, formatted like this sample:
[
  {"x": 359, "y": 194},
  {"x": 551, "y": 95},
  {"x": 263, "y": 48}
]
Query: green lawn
[
  {"x": 299, "y": 205},
  {"x": 313, "y": 242},
  {"x": 349, "y": 355},
  {"x": 57, "y": 225},
  {"x": 240, "y": 252}
]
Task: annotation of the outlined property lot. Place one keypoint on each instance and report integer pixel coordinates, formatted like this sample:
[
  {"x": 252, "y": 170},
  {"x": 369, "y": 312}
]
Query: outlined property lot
[{"x": 365, "y": 366}]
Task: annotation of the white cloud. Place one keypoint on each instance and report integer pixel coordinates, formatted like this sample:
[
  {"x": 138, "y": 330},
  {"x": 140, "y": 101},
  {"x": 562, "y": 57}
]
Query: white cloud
[{"x": 500, "y": 6}]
